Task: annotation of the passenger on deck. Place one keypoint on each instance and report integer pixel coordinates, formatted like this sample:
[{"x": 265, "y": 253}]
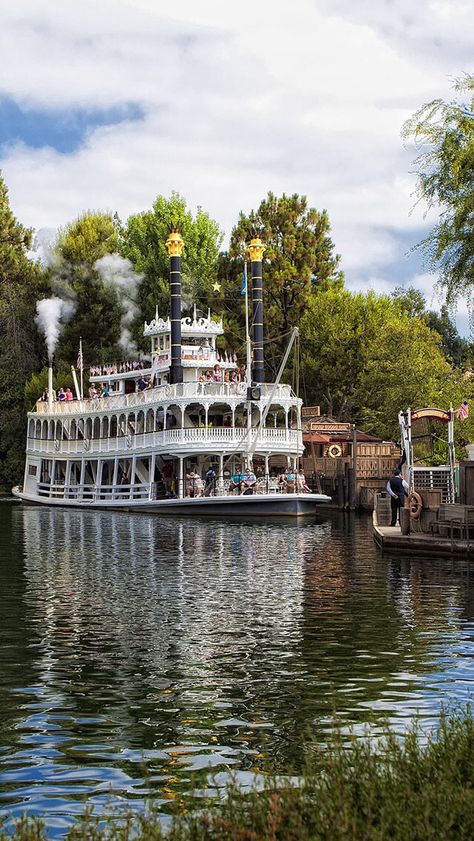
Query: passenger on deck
[
  {"x": 301, "y": 484},
  {"x": 290, "y": 477},
  {"x": 61, "y": 394},
  {"x": 210, "y": 486},
  {"x": 194, "y": 484},
  {"x": 235, "y": 480},
  {"x": 247, "y": 485},
  {"x": 69, "y": 394},
  {"x": 142, "y": 383}
]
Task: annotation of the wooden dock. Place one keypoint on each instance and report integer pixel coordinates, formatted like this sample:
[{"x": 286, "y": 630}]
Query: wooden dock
[{"x": 390, "y": 539}]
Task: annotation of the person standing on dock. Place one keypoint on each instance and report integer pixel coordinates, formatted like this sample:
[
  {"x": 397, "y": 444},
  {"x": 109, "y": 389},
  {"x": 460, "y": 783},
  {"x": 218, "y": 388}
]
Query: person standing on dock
[{"x": 397, "y": 489}]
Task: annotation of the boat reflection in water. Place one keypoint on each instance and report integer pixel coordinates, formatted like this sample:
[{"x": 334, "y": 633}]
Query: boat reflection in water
[{"x": 140, "y": 652}]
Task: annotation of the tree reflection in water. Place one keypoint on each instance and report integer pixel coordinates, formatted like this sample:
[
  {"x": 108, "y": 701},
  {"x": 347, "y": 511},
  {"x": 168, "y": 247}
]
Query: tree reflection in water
[{"x": 138, "y": 651}]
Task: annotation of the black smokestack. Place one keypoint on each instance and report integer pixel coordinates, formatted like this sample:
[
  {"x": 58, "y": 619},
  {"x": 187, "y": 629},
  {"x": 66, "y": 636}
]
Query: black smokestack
[
  {"x": 256, "y": 249},
  {"x": 174, "y": 244}
]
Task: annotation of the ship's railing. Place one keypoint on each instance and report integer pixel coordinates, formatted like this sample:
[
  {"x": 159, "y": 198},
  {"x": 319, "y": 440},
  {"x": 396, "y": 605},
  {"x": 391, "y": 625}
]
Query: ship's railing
[
  {"x": 164, "y": 395},
  {"x": 193, "y": 438},
  {"x": 149, "y": 490},
  {"x": 93, "y": 492}
]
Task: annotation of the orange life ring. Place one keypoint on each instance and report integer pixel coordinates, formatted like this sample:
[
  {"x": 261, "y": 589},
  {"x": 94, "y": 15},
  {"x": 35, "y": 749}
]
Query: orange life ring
[{"x": 416, "y": 504}]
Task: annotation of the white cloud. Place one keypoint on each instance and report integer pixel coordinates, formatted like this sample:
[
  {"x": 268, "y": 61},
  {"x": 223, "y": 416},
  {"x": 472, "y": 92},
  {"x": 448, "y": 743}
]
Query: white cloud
[{"x": 305, "y": 97}]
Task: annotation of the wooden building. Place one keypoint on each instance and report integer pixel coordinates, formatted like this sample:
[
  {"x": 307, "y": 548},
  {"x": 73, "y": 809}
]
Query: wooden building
[{"x": 328, "y": 455}]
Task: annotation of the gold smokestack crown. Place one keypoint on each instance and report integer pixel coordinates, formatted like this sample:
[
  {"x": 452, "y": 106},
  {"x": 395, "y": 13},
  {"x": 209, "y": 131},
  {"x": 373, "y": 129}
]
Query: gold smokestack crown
[
  {"x": 174, "y": 244},
  {"x": 256, "y": 249}
]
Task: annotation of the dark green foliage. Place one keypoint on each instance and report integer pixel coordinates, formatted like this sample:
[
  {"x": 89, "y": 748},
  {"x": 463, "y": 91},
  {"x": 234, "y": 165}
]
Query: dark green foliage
[
  {"x": 299, "y": 258},
  {"x": 444, "y": 131},
  {"x": 97, "y": 310},
  {"x": 398, "y": 788},
  {"x": 459, "y": 351},
  {"x": 20, "y": 285},
  {"x": 144, "y": 244}
]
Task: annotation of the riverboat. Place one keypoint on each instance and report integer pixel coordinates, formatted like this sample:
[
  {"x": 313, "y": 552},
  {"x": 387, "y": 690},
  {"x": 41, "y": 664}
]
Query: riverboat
[{"x": 150, "y": 442}]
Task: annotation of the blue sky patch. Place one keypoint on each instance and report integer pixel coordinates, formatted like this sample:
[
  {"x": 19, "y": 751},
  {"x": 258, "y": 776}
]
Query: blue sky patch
[{"x": 63, "y": 129}]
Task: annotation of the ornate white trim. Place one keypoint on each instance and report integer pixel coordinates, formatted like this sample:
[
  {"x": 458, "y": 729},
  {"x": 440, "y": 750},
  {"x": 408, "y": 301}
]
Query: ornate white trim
[{"x": 204, "y": 325}]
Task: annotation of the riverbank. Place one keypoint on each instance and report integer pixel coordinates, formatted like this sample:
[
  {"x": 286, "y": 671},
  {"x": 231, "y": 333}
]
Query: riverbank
[{"x": 394, "y": 789}]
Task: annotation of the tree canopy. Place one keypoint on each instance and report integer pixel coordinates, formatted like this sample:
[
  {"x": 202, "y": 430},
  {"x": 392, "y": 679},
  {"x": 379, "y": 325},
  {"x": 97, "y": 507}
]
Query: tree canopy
[
  {"x": 444, "y": 134},
  {"x": 20, "y": 283},
  {"x": 299, "y": 258},
  {"x": 364, "y": 358},
  {"x": 144, "y": 244},
  {"x": 74, "y": 275}
]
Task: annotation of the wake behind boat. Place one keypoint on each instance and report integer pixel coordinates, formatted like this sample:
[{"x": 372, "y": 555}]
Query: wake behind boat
[{"x": 191, "y": 433}]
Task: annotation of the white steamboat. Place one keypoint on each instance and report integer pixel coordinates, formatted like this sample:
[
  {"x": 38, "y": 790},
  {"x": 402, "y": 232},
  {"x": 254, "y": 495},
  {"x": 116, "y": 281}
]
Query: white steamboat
[{"x": 150, "y": 449}]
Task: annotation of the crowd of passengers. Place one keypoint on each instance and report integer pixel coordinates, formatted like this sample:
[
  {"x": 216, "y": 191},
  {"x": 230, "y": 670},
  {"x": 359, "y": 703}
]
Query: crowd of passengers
[
  {"x": 243, "y": 483},
  {"x": 143, "y": 383}
]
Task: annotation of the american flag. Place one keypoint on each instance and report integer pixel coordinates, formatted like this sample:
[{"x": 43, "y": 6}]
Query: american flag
[
  {"x": 463, "y": 412},
  {"x": 80, "y": 360}
]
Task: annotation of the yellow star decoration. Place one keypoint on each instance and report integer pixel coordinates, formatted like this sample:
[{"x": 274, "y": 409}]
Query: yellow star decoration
[{"x": 216, "y": 287}]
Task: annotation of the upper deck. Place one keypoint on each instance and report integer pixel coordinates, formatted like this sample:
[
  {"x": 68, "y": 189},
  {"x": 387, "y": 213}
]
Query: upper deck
[{"x": 231, "y": 393}]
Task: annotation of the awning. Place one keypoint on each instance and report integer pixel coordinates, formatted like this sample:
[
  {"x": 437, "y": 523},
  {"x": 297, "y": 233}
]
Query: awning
[{"x": 316, "y": 438}]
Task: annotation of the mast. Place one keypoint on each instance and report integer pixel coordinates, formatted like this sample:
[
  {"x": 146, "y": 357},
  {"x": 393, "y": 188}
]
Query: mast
[
  {"x": 256, "y": 249},
  {"x": 174, "y": 245}
]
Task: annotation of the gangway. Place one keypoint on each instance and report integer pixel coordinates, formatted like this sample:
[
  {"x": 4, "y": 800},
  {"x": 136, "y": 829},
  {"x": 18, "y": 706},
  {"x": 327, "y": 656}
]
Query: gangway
[{"x": 424, "y": 477}]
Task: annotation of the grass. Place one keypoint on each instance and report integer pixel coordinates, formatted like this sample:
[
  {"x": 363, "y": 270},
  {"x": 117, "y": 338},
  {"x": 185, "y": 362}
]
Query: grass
[{"x": 397, "y": 789}]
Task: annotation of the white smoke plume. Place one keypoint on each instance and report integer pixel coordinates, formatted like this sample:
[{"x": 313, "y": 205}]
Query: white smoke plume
[
  {"x": 52, "y": 313},
  {"x": 117, "y": 273},
  {"x": 42, "y": 251}
]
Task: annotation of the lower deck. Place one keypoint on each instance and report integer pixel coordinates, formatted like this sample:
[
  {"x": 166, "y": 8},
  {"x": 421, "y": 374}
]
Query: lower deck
[{"x": 256, "y": 505}]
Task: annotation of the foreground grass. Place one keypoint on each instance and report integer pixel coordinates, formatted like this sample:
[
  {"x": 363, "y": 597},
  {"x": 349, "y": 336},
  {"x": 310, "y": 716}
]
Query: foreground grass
[{"x": 395, "y": 790}]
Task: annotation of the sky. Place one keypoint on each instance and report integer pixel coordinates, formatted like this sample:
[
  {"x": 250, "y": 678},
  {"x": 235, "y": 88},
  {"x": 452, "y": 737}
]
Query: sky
[{"x": 105, "y": 104}]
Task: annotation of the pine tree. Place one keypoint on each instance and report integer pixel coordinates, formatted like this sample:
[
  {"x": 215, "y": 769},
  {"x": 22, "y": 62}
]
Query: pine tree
[{"x": 20, "y": 282}]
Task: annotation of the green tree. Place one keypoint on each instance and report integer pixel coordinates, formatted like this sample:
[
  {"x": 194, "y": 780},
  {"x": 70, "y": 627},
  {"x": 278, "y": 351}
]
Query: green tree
[
  {"x": 444, "y": 133},
  {"x": 364, "y": 359},
  {"x": 298, "y": 259},
  {"x": 97, "y": 315},
  {"x": 20, "y": 284},
  {"x": 454, "y": 347},
  {"x": 144, "y": 244}
]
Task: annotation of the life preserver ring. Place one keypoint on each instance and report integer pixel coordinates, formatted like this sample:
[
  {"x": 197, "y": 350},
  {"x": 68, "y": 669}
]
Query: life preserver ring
[
  {"x": 334, "y": 451},
  {"x": 416, "y": 504}
]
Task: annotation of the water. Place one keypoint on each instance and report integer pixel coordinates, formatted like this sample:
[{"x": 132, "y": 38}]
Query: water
[{"x": 140, "y": 656}]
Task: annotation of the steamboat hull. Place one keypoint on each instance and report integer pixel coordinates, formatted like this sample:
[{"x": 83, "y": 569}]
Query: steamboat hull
[{"x": 258, "y": 506}]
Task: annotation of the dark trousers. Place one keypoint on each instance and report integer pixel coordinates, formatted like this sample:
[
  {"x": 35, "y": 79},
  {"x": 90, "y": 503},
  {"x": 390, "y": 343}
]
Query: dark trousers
[{"x": 396, "y": 503}]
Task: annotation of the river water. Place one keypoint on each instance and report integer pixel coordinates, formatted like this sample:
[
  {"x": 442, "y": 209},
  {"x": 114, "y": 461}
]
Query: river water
[{"x": 144, "y": 657}]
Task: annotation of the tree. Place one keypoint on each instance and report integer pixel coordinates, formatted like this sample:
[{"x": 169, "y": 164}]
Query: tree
[
  {"x": 74, "y": 275},
  {"x": 455, "y": 348},
  {"x": 298, "y": 259},
  {"x": 144, "y": 244},
  {"x": 444, "y": 131},
  {"x": 364, "y": 359},
  {"x": 20, "y": 283}
]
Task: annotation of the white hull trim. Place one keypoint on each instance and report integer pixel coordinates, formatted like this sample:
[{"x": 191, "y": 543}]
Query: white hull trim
[{"x": 258, "y": 505}]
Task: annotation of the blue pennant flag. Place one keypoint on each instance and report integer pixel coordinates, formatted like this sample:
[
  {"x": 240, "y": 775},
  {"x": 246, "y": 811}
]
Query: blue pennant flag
[{"x": 243, "y": 288}]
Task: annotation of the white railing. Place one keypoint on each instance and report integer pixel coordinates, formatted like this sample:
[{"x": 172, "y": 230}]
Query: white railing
[
  {"x": 220, "y": 438},
  {"x": 164, "y": 395},
  {"x": 122, "y": 492},
  {"x": 93, "y": 493}
]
